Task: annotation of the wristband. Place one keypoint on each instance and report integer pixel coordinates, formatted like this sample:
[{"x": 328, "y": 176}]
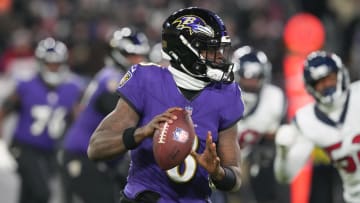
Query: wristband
[
  {"x": 228, "y": 182},
  {"x": 129, "y": 139}
]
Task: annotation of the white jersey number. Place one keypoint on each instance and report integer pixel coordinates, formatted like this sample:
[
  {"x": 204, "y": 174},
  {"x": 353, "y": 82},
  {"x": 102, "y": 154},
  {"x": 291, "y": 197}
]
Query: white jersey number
[
  {"x": 348, "y": 163},
  {"x": 190, "y": 165},
  {"x": 44, "y": 116}
]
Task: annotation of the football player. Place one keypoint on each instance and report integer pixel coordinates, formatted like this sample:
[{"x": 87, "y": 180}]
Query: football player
[
  {"x": 328, "y": 123},
  {"x": 127, "y": 46},
  {"x": 265, "y": 106},
  {"x": 44, "y": 104},
  {"x": 156, "y": 55},
  {"x": 9, "y": 180},
  {"x": 199, "y": 80}
]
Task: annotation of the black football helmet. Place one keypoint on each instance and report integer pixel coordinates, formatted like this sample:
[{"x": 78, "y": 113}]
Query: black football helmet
[
  {"x": 198, "y": 44},
  {"x": 320, "y": 64},
  {"x": 52, "y": 56},
  {"x": 127, "y": 41},
  {"x": 250, "y": 63}
]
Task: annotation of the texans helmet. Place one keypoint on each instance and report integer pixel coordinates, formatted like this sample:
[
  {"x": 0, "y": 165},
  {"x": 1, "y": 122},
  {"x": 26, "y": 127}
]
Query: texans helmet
[
  {"x": 52, "y": 56},
  {"x": 253, "y": 64},
  {"x": 198, "y": 44},
  {"x": 127, "y": 41},
  {"x": 320, "y": 64}
]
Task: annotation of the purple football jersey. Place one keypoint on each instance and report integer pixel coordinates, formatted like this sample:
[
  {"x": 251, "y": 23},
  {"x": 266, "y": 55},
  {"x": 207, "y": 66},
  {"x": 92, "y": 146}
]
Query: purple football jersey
[
  {"x": 44, "y": 112},
  {"x": 78, "y": 136},
  {"x": 151, "y": 90}
]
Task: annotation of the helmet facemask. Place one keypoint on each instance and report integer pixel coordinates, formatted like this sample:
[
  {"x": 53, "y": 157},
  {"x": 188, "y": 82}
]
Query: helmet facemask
[
  {"x": 212, "y": 60},
  {"x": 331, "y": 94}
]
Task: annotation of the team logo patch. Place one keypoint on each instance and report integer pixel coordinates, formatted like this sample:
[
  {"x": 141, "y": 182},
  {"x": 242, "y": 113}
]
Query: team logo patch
[
  {"x": 189, "y": 110},
  {"x": 180, "y": 135},
  {"x": 125, "y": 78}
]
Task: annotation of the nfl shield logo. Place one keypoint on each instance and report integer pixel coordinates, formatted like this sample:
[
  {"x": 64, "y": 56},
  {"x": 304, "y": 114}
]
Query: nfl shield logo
[
  {"x": 189, "y": 109},
  {"x": 180, "y": 135}
]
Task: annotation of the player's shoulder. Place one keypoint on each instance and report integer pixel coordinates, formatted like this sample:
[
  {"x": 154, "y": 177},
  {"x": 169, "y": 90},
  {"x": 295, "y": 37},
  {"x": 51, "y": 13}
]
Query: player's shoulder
[
  {"x": 354, "y": 96},
  {"x": 274, "y": 90},
  {"x": 144, "y": 73},
  {"x": 230, "y": 91},
  {"x": 272, "y": 102},
  {"x": 306, "y": 110},
  {"x": 75, "y": 80},
  {"x": 147, "y": 66},
  {"x": 146, "y": 70},
  {"x": 227, "y": 90},
  {"x": 108, "y": 73},
  {"x": 355, "y": 86},
  {"x": 26, "y": 82},
  {"x": 305, "y": 115},
  {"x": 230, "y": 87}
]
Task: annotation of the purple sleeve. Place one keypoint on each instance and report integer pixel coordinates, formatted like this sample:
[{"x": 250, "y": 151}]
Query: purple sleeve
[
  {"x": 233, "y": 109},
  {"x": 130, "y": 88},
  {"x": 19, "y": 87}
]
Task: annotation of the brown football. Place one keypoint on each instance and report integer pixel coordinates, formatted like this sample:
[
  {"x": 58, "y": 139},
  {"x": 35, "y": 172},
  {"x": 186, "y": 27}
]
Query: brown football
[{"x": 174, "y": 141}]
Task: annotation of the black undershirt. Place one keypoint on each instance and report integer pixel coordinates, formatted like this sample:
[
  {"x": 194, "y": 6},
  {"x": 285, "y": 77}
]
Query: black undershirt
[{"x": 189, "y": 94}]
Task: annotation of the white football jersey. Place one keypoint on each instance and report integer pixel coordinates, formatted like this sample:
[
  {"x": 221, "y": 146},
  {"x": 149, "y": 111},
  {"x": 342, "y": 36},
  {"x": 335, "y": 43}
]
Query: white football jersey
[
  {"x": 340, "y": 140},
  {"x": 264, "y": 118}
]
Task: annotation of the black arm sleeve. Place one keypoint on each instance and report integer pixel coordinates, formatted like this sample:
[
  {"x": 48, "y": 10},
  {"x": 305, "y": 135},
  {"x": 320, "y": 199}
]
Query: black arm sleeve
[{"x": 106, "y": 102}]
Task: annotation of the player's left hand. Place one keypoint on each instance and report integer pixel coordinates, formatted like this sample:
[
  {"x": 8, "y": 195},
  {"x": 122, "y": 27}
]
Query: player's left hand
[{"x": 209, "y": 159}]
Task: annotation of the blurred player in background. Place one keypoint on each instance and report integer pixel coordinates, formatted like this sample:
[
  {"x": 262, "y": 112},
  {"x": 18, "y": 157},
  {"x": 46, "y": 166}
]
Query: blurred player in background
[
  {"x": 83, "y": 179},
  {"x": 329, "y": 123},
  {"x": 44, "y": 104},
  {"x": 198, "y": 80},
  {"x": 265, "y": 106},
  {"x": 157, "y": 56},
  {"x": 9, "y": 181}
]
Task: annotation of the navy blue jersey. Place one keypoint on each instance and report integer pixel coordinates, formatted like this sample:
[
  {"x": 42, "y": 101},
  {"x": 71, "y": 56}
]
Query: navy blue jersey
[{"x": 151, "y": 90}]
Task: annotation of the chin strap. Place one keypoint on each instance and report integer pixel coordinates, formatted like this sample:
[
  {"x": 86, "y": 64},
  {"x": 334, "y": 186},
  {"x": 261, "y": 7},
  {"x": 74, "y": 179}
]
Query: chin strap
[{"x": 186, "y": 81}]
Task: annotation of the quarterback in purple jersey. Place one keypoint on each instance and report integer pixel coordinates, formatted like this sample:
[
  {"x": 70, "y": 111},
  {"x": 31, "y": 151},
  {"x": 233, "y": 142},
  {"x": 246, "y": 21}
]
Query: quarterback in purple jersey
[
  {"x": 44, "y": 105},
  {"x": 198, "y": 80},
  {"x": 127, "y": 46}
]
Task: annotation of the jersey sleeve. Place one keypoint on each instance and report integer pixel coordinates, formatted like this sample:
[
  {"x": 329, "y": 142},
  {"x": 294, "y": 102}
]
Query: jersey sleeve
[
  {"x": 292, "y": 152},
  {"x": 233, "y": 108},
  {"x": 278, "y": 107},
  {"x": 131, "y": 88}
]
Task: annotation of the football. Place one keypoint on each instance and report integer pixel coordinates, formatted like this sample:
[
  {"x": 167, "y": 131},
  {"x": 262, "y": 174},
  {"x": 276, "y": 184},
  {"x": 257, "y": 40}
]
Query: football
[{"x": 174, "y": 141}]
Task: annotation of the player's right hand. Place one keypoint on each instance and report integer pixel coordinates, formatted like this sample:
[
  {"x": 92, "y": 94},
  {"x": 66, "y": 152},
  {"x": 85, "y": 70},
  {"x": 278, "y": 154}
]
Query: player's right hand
[{"x": 149, "y": 129}]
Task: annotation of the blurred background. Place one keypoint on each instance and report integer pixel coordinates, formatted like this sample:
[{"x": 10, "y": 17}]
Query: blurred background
[
  {"x": 285, "y": 30},
  {"x": 85, "y": 24}
]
